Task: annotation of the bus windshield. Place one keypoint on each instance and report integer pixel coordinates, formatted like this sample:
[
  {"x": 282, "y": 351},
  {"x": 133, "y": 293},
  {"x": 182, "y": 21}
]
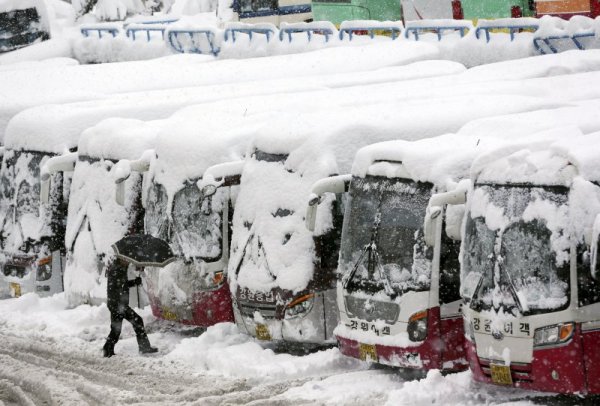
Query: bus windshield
[
  {"x": 20, "y": 199},
  {"x": 197, "y": 222},
  {"x": 383, "y": 250},
  {"x": 522, "y": 264}
]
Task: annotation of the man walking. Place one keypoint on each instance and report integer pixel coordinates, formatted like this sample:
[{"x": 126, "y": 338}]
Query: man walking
[{"x": 117, "y": 293}]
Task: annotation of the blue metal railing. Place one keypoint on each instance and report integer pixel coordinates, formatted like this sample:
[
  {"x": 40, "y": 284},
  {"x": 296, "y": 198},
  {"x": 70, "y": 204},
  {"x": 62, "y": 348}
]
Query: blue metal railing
[
  {"x": 310, "y": 31},
  {"x": 132, "y": 31},
  {"x": 416, "y": 31},
  {"x": 250, "y": 31},
  {"x": 393, "y": 31},
  {"x": 548, "y": 41},
  {"x": 85, "y": 31},
  {"x": 194, "y": 36},
  {"x": 512, "y": 30}
]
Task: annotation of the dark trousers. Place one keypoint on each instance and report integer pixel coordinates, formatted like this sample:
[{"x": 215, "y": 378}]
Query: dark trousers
[{"x": 116, "y": 322}]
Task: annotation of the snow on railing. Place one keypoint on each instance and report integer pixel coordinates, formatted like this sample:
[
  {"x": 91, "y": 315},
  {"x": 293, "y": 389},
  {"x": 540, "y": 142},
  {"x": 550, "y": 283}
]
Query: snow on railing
[
  {"x": 557, "y": 35},
  {"x": 231, "y": 29},
  {"x": 512, "y": 25},
  {"x": 100, "y": 28},
  {"x": 199, "y": 40},
  {"x": 370, "y": 27},
  {"x": 438, "y": 26},
  {"x": 325, "y": 28},
  {"x": 132, "y": 29}
]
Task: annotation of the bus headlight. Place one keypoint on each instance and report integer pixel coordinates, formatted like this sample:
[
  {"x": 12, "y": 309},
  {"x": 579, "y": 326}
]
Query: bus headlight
[
  {"x": 417, "y": 326},
  {"x": 552, "y": 335},
  {"x": 44, "y": 269},
  {"x": 212, "y": 280},
  {"x": 299, "y": 306}
]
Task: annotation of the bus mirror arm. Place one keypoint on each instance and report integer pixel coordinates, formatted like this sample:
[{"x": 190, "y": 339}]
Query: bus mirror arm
[
  {"x": 334, "y": 184},
  {"x": 435, "y": 208},
  {"x": 45, "y": 188},
  {"x": 122, "y": 170},
  {"x": 60, "y": 163}
]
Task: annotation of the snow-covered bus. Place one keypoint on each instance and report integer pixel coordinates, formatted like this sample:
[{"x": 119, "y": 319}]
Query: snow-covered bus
[
  {"x": 94, "y": 220},
  {"x": 22, "y": 23},
  {"x": 528, "y": 270},
  {"x": 197, "y": 224},
  {"x": 399, "y": 296}
]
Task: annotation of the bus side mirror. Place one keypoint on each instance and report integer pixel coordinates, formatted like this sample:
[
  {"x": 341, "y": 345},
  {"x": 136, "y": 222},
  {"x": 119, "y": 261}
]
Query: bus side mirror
[
  {"x": 334, "y": 184},
  {"x": 595, "y": 248}
]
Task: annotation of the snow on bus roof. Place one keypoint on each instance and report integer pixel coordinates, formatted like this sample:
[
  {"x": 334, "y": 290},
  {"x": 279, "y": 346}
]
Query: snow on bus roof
[
  {"x": 21, "y": 90},
  {"x": 530, "y": 160},
  {"x": 186, "y": 148},
  {"x": 448, "y": 158},
  {"x": 337, "y": 133},
  {"x": 116, "y": 138}
]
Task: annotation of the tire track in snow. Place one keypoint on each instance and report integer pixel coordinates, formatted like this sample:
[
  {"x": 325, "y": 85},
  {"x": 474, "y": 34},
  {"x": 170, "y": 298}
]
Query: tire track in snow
[{"x": 47, "y": 375}]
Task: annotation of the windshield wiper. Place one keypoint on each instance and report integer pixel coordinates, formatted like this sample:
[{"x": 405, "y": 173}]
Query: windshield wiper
[
  {"x": 512, "y": 289},
  {"x": 373, "y": 260}
]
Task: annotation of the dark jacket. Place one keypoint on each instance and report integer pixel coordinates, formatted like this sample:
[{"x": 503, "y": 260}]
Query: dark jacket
[{"x": 117, "y": 290}]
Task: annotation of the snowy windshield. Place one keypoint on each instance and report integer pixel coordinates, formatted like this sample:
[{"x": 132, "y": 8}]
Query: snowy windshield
[
  {"x": 382, "y": 241},
  {"x": 156, "y": 220},
  {"x": 515, "y": 255},
  {"x": 20, "y": 198},
  {"x": 197, "y": 223}
]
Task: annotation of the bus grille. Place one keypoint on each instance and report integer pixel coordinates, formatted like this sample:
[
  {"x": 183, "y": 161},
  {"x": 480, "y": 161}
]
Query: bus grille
[
  {"x": 266, "y": 310},
  {"x": 14, "y": 270},
  {"x": 371, "y": 310}
]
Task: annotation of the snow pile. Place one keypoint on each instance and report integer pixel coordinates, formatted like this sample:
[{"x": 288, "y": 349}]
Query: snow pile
[{"x": 223, "y": 350}]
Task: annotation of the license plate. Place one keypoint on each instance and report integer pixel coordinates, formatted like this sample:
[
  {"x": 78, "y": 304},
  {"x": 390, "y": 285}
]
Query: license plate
[
  {"x": 262, "y": 332},
  {"x": 169, "y": 315},
  {"x": 367, "y": 352},
  {"x": 501, "y": 374},
  {"x": 15, "y": 289}
]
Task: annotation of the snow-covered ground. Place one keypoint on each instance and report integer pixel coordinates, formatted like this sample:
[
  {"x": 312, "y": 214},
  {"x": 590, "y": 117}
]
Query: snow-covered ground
[{"x": 50, "y": 354}]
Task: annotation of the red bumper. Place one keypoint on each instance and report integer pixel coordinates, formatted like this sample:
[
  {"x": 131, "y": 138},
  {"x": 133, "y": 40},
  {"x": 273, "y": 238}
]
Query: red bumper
[
  {"x": 559, "y": 369},
  {"x": 423, "y": 356},
  {"x": 208, "y": 308},
  {"x": 442, "y": 349}
]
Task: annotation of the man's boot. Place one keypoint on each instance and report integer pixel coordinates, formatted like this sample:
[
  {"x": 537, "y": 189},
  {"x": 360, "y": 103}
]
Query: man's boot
[
  {"x": 108, "y": 350},
  {"x": 144, "y": 345}
]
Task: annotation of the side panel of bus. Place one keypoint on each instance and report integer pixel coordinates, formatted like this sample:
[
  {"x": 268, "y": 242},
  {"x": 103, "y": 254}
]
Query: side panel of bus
[
  {"x": 567, "y": 8},
  {"x": 489, "y": 9},
  {"x": 272, "y": 11},
  {"x": 338, "y": 11}
]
